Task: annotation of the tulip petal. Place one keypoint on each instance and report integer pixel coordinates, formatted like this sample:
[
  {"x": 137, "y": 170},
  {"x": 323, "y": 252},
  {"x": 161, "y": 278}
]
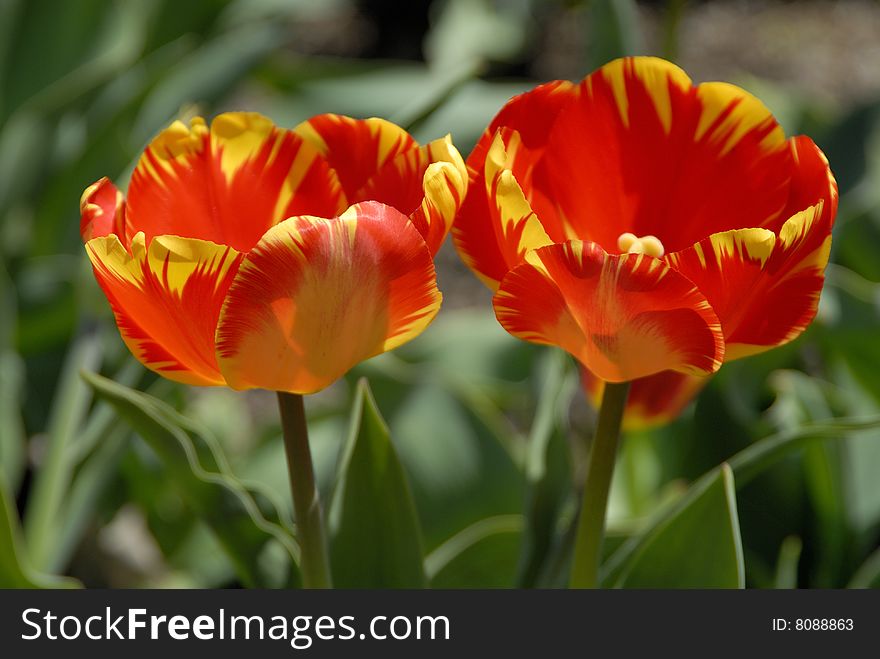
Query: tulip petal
[
  {"x": 622, "y": 316},
  {"x": 518, "y": 229},
  {"x": 765, "y": 288},
  {"x": 230, "y": 183},
  {"x": 642, "y": 150},
  {"x": 654, "y": 400},
  {"x": 102, "y": 211},
  {"x": 317, "y": 296},
  {"x": 427, "y": 183},
  {"x": 167, "y": 299},
  {"x": 531, "y": 115},
  {"x": 355, "y": 148},
  {"x": 812, "y": 182}
]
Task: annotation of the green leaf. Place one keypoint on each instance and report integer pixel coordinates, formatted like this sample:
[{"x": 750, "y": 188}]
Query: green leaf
[
  {"x": 745, "y": 465},
  {"x": 787, "y": 565},
  {"x": 12, "y": 437},
  {"x": 460, "y": 471},
  {"x": 749, "y": 462},
  {"x": 484, "y": 555},
  {"x": 375, "y": 535},
  {"x": 868, "y": 574},
  {"x": 548, "y": 471},
  {"x": 697, "y": 546},
  {"x": 245, "y": 520},
  {"x": 800, "y": 399},
  {"x": 69, "y": 407},
  {"x": 15, "y": 571},
  {"x": 466, "y": 31}
]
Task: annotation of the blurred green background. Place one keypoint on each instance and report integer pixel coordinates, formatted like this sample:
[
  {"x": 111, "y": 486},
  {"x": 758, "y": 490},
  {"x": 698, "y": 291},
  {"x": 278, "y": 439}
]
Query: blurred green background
[{"x": 490, "y": 431}]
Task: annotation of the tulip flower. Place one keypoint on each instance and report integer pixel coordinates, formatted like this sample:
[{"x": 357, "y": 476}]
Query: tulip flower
[
  {"x": 251, "y": 256},
  {"x": 650, "y": 227},
  {"x": 255, "y": 257}
]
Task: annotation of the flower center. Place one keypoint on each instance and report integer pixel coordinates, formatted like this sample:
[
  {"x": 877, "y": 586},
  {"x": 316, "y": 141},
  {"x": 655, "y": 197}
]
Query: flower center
[{"x": 633, "y": 244}]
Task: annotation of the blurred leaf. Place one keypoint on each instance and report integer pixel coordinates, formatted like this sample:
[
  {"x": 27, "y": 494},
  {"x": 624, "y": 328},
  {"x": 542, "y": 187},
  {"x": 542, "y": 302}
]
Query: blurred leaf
[
  {"x": 801, "y": 399},
  {"x": 460, "y": 472},
  {"x": 548, "y": 470},
  {"x": 12, "y": 436},
  {"x": 861, "y": 461},
  {"x": 206, "y": 74},
  {"x": 245, "y": 521},
  {"x": 375, "y": 535},
  {"x": 614, "y": 31},
  {"x": 446, "y": 86},
  {"x": 697, "y": 546},
  {"x": 484, "y": 555},
  {"x": 116, "y": 37},
  {"x": 467, "y": 31},
  {"x": 745, "y": 465},
  {"x": 15, "y": 572},
  {"x": 868, "y": 574},
  {"x": 750, "y": 461},
  {"x": 787, "y": 566},
  {"x": 69, "y": 406}
]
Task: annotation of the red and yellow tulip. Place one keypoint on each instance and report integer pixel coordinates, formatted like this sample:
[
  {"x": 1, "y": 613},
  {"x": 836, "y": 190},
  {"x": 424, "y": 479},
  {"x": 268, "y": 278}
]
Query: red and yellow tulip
[
  {"x": 650, "y": 227},
  {"x": 252, "y": 256}
]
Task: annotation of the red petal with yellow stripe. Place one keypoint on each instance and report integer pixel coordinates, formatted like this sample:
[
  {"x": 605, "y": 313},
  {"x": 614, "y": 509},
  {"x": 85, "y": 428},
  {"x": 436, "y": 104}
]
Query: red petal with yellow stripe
[
  {"x": 379, "y": 161},
  {"x": 355, "y": 148},
  {"x": 653, "y": 400},
  {"x": 317, "y": 296},
  {"x": 622, "y": 316},
  {"x": 531, "y": 117},
  {"x": 642, "y": 150},
  {"x": 167, "y": 297},
  {"x": 230, "y": 183},
  {"x": 763, "y": 286}
]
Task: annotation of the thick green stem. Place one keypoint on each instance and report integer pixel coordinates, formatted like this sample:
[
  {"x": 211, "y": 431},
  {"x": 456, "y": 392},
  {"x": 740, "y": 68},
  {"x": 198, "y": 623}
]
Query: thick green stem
[
  {"x": 314, "y": 564},
  {"x": 591, "y": 523}
]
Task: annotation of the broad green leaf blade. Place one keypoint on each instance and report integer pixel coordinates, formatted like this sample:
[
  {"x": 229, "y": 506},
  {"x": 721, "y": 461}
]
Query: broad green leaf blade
[
  {"x": 484, "y": 555},
  {"x": 245, "y": 521},
  {"x": 376, "y": 540},
  {"x": 698, "y": 546},
  {"x": 14, "y": 569},
  {"x": 745, "y": 465}
]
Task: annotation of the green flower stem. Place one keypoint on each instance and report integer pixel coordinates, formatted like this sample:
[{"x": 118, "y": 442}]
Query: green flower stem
[
  {"x": 591, "y": 523},
  {"x": 314, "y": 563}
]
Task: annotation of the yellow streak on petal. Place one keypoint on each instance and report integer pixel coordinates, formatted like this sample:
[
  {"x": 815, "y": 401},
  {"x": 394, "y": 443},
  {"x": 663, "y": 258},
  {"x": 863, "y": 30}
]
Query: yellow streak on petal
[
  {"x": 754, "y": 244},
  {"x": 796, "y": 227},
  {"x": 655, "y": 74},
  {"x": 177, "y": 143},
  {"x": 748, "y": 114},
  {"x": 514, "y": 210},
  {"x": 238, "y": 135}
]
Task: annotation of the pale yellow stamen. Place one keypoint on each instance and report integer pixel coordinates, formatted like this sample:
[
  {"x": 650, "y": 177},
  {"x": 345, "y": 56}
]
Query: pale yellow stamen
[{"x": 632, "y": 244}]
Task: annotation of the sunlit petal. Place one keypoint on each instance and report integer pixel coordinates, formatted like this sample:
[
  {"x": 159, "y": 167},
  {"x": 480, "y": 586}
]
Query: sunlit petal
[
  {"x": 166, "y": 297},
  {"x": 622, "y": 316},
  {"x": 229, "y": 183},
  {"x": 317, "y": 296}
]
